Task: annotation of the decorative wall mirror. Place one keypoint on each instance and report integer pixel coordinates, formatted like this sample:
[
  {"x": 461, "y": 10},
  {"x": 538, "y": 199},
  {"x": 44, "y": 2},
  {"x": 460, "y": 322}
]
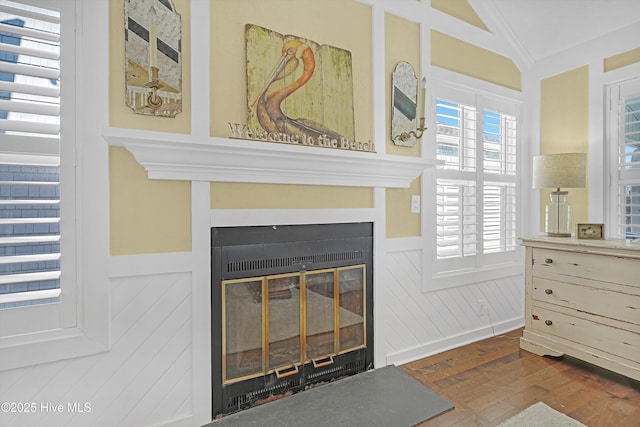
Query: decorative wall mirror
[
  {"x": 153, "y": 57},
  {"x": 404, "y": 112}
]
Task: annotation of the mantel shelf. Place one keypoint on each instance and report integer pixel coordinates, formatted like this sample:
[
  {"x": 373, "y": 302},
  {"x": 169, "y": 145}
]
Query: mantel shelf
[{"x": 172, "y": 156}]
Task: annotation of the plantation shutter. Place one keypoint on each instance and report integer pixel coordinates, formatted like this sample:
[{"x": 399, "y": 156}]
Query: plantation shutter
[
  {"x": 628, "y": 160},
  {"x": 29, "y": 153},
  {"x": 499, "y": 222},
  {"x": 457, "y": 198},
  {"x": 476, "y": 200}
]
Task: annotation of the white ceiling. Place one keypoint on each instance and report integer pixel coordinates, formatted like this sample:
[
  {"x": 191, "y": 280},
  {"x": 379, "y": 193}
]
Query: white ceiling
[{"x": 545, "y": 27}]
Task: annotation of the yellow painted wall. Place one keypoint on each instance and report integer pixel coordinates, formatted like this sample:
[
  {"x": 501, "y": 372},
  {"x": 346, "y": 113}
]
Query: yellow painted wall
[
  {"x": 400, "y": 221},
  {"x": 460, "y": 9},
  {"x": 622, "y": 59},
  {"x": 343, "y": 24},
  {"x": 465, "y": 58},
  {"x": 564, "y": 128},
  {"x": 402, "y": 43},
  {"x": 264, "y": 196},
  {"x": 146, "y": 216}
]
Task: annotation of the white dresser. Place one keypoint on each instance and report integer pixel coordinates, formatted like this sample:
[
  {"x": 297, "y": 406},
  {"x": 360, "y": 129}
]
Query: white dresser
[{"x": 583, "y": 300}]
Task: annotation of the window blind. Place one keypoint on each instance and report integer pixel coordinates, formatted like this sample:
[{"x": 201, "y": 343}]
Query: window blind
[
  {"x": 629, "y": 167},
  {"x": 29, "y": 153},
  {"x": 499, "y": 226},
  {"x": 499, "y": 190},
  {"x": 457, "y": 218},
  {"x": 476, "y": 203}
]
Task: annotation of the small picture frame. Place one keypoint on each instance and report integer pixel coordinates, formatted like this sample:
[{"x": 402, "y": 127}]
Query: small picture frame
[{"x": 590, "y": 231}]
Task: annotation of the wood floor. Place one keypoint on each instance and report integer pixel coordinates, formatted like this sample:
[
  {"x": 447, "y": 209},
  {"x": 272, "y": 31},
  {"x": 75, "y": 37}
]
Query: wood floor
[{"x": 492, "y": 380}]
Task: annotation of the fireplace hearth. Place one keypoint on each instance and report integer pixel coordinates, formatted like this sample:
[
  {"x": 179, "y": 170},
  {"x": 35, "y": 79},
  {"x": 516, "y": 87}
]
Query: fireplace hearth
[{"x": 292, "y": 306}]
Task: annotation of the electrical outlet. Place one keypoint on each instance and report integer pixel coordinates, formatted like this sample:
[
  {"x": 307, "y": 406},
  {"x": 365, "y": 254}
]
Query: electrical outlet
[
  {"x": 482, "y": 306},
  {"x": 415, "y": 204}
]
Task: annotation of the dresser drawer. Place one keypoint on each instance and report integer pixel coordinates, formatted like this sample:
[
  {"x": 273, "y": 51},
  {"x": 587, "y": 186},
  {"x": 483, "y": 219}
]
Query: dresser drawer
[
  {"x": 589, "y": 296},
  {"x": 583, "y": 300},
  {"x": 590, "y": 266},
  {"x": 608, "y": 339}
]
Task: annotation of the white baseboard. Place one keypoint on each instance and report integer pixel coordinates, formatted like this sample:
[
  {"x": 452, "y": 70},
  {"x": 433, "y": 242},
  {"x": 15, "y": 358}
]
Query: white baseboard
[{"x": 448, "y": 343}]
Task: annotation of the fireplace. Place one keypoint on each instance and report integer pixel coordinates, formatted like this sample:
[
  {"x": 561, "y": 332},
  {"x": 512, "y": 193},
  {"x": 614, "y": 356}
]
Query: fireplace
[{"x": 292, "y": 306}]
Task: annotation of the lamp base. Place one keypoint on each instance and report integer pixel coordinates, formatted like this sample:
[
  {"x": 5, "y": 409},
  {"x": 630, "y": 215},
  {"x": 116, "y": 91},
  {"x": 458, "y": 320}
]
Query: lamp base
[
  {"x": 558, "y": 215},
  {"x": 558, "y": 234}
]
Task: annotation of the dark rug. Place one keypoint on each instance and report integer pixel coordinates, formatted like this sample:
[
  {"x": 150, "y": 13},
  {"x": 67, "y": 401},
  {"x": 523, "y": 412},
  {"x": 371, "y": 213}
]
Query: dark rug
[{"x": 381, "y": 397}]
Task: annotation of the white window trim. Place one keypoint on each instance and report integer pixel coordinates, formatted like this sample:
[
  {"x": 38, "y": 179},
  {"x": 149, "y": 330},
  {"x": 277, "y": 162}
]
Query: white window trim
[
  {"x": 84, "y": 326},
  {"x": 612, "y": 133},
  {"x": 433, "y": 280}
]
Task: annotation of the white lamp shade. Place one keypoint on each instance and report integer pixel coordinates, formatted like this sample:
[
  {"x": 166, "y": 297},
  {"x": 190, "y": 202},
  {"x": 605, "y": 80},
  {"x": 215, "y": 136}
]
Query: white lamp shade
[{"x": 564, "y": 170}]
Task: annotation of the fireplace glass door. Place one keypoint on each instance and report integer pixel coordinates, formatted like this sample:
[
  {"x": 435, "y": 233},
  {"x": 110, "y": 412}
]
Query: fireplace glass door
[
  {"x": 351, "y": 309},
  {"x": 283, "y": 323},
  {"x": 242, "y": 337},
  {"x": 275, "y": 324},
  {"x": 320, "y": 314}
]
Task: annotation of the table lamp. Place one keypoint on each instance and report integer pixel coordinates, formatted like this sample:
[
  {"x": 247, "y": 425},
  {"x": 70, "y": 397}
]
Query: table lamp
[{"x": 564, "y": 170}]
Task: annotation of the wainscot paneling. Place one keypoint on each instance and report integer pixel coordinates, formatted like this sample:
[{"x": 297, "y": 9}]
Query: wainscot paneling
[
  {"x": 145, "y": 379},
  {"x": 417, "y": 324}
]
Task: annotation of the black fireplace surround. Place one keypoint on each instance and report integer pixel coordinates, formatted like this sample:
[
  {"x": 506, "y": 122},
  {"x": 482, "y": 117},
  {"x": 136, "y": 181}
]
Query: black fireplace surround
[{"x": 239, "y": 254}]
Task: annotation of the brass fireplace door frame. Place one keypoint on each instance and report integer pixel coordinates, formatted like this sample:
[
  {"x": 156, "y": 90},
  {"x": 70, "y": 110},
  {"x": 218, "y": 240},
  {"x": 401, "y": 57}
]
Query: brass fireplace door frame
[{"x": 300, "y": 280}]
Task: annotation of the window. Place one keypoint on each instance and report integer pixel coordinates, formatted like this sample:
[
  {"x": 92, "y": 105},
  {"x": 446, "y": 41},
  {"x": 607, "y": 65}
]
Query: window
[
  {"x": 624, "y": 143},
  {"x": 30, "y": 155},
  {"x": 476, "y": 188},
  {"x": 53, "y": 167}
]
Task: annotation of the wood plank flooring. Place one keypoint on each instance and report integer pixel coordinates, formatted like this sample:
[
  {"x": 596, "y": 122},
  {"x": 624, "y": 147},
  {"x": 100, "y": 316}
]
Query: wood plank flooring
[{"x": 492, "y": 380}]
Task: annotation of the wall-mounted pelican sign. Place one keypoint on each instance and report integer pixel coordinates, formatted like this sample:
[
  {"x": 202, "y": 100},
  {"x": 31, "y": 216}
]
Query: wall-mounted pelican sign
[
  {"x": 299, "y": 91},
  {"x": 153, "y": 37}
]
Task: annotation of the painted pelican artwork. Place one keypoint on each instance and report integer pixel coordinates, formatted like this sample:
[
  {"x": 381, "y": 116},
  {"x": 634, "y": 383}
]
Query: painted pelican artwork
[{"x": 297, "y": 87}]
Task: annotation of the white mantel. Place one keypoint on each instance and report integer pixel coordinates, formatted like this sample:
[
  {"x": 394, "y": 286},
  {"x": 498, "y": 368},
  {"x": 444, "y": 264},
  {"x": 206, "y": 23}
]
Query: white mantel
[{"x": 173, "y": 156}]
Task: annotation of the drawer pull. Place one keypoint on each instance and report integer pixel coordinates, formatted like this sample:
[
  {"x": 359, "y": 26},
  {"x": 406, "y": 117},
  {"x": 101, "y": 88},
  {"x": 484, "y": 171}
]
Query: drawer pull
[
  {"x": 548, "y": 261},
  {"x": 548, "y": 291},
  {"x": 548, "y": 322}
]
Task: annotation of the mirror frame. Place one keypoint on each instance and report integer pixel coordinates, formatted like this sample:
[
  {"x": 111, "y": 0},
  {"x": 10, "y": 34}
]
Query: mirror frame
[
  {"x": 404, "y": 103},
  {"x": 153, "y": 57}
]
